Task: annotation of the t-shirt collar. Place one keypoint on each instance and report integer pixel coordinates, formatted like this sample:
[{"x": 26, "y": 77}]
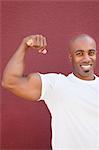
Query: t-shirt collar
[{"x": 76, "y": 79}]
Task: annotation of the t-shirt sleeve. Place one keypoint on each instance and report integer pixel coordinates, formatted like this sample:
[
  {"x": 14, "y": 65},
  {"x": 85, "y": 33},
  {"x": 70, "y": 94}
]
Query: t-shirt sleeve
[{"x": 48, "y": 84}]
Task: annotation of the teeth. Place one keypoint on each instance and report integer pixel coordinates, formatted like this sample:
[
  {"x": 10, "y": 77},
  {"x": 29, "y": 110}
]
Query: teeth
[{"x": 86, "y": 67}]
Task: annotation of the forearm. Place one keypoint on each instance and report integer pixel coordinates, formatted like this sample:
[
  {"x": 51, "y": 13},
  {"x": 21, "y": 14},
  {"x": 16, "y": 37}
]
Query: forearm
[
  {"x": 13, "y": 73},
  {"x": 15, "y": 66}
]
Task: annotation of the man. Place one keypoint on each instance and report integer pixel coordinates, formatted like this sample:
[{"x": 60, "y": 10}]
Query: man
[{"x": 73, "y": 100}]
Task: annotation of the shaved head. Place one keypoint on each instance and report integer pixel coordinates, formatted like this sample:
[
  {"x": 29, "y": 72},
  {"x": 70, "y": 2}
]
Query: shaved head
[{"x": 81, "y": 37}]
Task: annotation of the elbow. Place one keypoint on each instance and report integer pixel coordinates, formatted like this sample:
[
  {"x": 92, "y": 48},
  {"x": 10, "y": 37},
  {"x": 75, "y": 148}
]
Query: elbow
[
  {"x": 7, "y": 81},
  {"x": 5, "y": 84},
  {"x": 2, "y": 83}
]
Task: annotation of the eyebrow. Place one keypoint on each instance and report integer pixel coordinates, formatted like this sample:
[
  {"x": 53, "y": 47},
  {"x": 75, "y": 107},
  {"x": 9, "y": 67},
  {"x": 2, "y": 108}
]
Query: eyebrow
[
  {"x": 92, "y": 49},
  {"x": 80, "y": 50}
]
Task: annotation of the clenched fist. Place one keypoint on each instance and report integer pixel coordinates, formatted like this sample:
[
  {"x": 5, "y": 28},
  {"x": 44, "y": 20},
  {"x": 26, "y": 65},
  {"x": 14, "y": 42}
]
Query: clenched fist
[{"x": 38, "y": 42}]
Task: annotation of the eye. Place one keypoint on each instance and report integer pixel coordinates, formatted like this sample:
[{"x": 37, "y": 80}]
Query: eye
[
  {"x": 92, "y": 52},
  {"x": 79, "y": 53}
]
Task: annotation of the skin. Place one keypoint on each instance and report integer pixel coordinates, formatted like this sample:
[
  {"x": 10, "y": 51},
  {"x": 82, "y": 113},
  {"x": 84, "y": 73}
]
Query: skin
[
  {"x": 28, "y": 87},
  {"x": 82, "y": 52}
]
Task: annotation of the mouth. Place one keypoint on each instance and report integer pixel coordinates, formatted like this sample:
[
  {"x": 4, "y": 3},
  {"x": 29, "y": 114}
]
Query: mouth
[{"x": 86, "y": 67}]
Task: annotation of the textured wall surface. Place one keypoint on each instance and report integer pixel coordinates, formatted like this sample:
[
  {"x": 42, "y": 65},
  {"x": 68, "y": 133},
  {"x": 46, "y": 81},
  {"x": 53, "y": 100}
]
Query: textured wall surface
[{"x": 27, "y": 125}]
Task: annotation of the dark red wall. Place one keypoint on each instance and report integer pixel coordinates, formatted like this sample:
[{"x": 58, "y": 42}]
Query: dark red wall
[{"x": 26, "y": 124}]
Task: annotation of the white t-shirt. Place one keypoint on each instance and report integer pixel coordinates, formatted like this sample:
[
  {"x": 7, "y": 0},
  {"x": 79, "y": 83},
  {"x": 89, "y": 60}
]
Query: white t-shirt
[{"x": 74, "y": 107}]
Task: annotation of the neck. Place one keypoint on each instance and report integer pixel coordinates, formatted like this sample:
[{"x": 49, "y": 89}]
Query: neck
[{"x": 91, "y": 77}]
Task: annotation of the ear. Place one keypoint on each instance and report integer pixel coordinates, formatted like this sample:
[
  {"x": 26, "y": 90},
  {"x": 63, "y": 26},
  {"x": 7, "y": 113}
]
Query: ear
[{"x": 70, "y": 57}]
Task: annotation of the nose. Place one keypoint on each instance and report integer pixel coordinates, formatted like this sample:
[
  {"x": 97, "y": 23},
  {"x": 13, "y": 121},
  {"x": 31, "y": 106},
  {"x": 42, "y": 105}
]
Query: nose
[{"x": 86, "y": 58}]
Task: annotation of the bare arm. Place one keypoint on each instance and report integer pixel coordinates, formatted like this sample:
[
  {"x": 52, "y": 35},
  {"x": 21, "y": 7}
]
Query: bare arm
[{"x": 27, "y": 87}]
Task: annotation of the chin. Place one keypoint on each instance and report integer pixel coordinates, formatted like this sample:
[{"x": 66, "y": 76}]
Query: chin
[
  {"x": 84, "y": 74},
  {"x": 87, "y": 74}
]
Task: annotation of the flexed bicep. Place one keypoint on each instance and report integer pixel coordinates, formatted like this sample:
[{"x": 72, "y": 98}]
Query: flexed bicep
[{"x": 28, "y": 87}]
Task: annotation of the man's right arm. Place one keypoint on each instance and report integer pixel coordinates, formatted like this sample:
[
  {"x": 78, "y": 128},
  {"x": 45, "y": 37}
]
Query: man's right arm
[{"x": 26, "y": 87}]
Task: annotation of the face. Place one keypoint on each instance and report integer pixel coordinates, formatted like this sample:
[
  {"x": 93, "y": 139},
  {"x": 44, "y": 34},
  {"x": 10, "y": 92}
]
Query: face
[{"x": 83, "y": 58}]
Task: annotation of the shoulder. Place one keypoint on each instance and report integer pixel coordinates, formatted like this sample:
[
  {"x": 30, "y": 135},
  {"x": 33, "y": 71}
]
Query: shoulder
[
  {"x": 53, "y": 76},
  {"x": 97, "y": 77}
]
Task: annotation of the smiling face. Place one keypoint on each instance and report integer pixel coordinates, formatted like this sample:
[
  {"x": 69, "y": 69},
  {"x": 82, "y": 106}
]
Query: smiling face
[{"x": 83, "y": 57}]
